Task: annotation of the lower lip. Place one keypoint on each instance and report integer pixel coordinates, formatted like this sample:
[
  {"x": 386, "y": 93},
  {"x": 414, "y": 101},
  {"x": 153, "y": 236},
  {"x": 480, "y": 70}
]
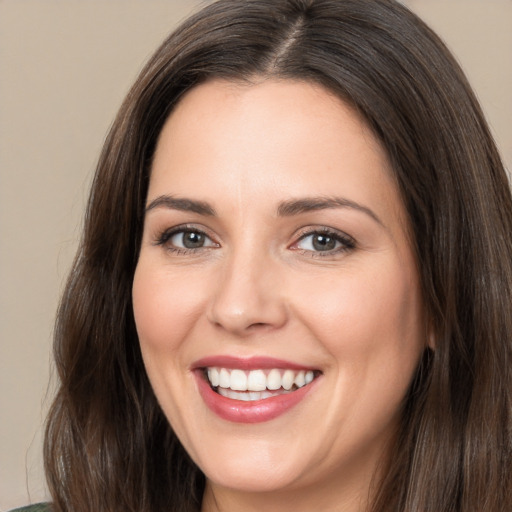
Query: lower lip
[{"x": 256, "y": 411}]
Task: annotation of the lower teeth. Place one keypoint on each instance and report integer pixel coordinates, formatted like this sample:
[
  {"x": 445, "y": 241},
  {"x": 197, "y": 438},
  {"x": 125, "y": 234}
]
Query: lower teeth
[{"x": 250, "y": 396}]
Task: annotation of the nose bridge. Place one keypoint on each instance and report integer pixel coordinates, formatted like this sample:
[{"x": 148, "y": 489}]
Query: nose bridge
[{"x": 248, "y": 294}]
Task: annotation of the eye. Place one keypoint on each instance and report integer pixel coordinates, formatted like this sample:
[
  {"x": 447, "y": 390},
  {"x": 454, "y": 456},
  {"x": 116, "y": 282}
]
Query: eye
[
  {"x": 190, "y": 240},
  {"x": 184, "y": 239},
  {"x": 324, "y": 241}
]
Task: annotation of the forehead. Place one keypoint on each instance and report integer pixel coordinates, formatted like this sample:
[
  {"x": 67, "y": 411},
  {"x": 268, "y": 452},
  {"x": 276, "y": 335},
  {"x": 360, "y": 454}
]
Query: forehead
[
  {"x": 268, "y": 105},
  {"x": 295, "y": 136}
]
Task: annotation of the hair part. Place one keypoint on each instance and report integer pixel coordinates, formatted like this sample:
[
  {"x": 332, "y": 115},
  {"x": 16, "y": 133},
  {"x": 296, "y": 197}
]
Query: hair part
[{"x": 108, "y": 445}]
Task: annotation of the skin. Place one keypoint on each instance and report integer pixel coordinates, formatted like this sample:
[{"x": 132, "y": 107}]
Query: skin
[{"x": 259, "y": 287}]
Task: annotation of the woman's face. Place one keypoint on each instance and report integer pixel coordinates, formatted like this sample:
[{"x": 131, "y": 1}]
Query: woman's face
[{"x": 275, "y": 256}]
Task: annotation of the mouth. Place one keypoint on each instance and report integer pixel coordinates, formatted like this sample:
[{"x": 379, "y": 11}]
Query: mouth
[
  {"x": 255, "y": 389},
  {"x": 258, "y": 384}
]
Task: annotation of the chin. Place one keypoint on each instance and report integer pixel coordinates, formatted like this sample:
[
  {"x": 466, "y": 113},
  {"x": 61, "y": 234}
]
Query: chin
[
  {"x": 257, "y": 472},
  {"x": 243, "y": 477}
]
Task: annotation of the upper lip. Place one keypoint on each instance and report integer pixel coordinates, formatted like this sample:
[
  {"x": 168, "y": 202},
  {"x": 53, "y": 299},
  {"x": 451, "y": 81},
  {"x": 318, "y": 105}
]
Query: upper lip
[{"x": 247, "y": 363}]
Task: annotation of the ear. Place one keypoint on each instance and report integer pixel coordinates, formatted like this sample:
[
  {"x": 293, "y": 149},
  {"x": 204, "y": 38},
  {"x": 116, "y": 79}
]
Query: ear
[{"x": 430, "y": 337}]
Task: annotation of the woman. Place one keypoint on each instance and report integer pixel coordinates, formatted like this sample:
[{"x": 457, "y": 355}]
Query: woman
[{"x": 294, "y": 284}]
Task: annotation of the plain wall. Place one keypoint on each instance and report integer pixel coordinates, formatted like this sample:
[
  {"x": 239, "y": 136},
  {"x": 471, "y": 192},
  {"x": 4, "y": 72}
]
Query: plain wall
[{"x": 65, "y": 66}]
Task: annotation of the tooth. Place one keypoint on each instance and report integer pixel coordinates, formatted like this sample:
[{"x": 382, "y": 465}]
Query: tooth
[
  {"x": 224, "y": 378},
  {"x": 299, "y": 379},
  {"x": 213, "y": 376},
  {"x": 238, "y": 381},
  {"x": 287, "y": 380},
  {"x": 232, "y": 394},
  {"x": 274, "y": 379},
  {"x": 256, "y": 381}
]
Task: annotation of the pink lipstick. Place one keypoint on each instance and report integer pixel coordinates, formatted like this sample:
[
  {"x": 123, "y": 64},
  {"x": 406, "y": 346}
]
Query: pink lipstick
[{"x": 252, "y": 390}]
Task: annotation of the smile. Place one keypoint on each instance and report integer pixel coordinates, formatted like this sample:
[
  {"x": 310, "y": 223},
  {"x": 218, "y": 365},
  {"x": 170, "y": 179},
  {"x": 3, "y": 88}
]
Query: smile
[
  {"x": 259, "y": 384},
  {"x": 255, "y": 389}
]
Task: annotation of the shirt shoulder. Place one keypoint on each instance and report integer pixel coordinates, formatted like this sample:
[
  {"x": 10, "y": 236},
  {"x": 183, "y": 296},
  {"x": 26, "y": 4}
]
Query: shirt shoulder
[{"x": 37, "y": 507}]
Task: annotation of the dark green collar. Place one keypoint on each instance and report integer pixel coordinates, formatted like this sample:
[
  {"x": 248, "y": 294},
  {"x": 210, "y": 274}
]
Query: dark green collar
[{"x": 37, "y": 507}]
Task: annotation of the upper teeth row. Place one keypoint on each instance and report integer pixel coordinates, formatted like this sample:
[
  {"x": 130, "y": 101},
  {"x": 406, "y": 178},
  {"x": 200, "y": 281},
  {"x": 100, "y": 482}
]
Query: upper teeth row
[{"x": 258, "y": 380}]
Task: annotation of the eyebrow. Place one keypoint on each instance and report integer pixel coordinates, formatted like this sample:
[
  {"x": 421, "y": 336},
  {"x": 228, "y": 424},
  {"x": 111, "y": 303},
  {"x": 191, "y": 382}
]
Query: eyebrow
[
  {"x": 182, "y": 204},
  {"x": 285, "y": 208},
  {"x": 308, "y": 204}
]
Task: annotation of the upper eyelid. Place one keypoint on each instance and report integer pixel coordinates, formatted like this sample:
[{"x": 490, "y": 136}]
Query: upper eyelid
[
  {"x": 169, "y": 232},
  {"x": 187, "y": 227},
  {"x": 324, "y": 230}
]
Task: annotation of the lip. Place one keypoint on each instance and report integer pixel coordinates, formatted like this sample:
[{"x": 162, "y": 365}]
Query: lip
[
  {"x": 257, "y": 411},
  {"x": 247, "y": 363}
]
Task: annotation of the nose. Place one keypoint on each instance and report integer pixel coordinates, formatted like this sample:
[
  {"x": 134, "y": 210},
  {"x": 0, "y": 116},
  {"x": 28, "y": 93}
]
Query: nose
[{"x": 248, "y": 297}]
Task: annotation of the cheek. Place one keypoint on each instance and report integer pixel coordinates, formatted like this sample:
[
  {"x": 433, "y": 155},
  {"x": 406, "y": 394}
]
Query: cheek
[
  {"x": 370, "y": 324},
  {"x": 165, "y": 306},
  {"x": 375, "y": 314}
]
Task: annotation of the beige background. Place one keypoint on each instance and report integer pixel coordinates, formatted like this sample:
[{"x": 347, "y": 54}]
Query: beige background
[{"x": 64, "y": 68}]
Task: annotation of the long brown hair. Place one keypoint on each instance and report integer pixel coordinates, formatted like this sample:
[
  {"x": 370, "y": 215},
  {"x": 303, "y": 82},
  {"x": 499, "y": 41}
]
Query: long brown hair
[{"x": 108, "y": 445}]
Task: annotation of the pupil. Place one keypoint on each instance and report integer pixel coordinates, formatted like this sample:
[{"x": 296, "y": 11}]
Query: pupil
[
  {"x": 324, "y": 243},
  {"x": 192, "y": 240}
]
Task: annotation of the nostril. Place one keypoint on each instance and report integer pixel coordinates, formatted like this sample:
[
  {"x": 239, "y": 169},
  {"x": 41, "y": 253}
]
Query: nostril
[{"x": 258, "y": 324}]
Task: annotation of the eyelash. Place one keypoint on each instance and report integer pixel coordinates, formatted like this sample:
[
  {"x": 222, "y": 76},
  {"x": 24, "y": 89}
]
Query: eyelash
[
  {"x": 165, "y": 236},
  {"x": 346, "y": 242}
]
